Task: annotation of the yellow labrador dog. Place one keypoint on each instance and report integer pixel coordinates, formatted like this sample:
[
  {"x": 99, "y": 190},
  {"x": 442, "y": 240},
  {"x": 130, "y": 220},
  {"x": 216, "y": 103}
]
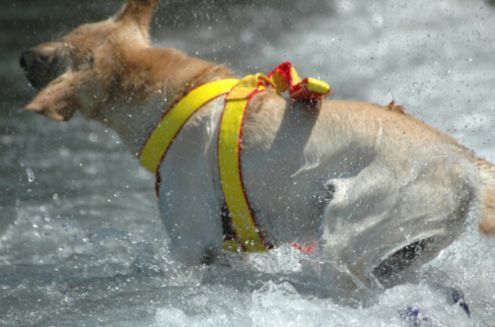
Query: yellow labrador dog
[{"x": 381, "y": 191}]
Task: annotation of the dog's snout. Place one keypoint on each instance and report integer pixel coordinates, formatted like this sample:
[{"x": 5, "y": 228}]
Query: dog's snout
[
  {"x": 30, "y": 57},
  {"x": 26, "y": 60},
  {"x": 41, "y": 65}
]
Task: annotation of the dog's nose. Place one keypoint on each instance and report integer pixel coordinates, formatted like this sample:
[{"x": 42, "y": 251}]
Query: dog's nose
[
  {"x": 31, "y": 57},
  {"x": 27, "y": 58}
]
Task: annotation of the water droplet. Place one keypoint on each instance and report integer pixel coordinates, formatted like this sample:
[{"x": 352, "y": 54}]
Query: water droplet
[
  {"x": 30, "y": 175},
  {"x": 93, "y": 137}
]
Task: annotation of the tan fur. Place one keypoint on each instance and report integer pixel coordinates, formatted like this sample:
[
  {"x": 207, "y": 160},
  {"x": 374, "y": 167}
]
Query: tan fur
[
  {"x": 487, "y": 223},
  {"x": 140, "y": 12},
  {"x": 58, "y": 101}
]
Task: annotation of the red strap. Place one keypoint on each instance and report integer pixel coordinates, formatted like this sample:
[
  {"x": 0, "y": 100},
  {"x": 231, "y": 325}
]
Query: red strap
[
  {"x": 285, "y": 78},
  {"x": 306, "y": 249}
]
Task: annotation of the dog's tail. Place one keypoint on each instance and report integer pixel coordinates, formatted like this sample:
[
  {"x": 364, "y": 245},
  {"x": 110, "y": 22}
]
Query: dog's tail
[{"x": 487, "y": 194}]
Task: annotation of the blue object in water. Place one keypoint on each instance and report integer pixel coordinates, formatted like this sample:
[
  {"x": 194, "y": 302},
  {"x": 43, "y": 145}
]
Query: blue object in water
[{"x": 415, "y": 318}]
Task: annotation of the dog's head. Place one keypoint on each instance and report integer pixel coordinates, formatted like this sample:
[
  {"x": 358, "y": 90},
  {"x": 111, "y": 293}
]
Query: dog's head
[{"x": 78, "y": 71}]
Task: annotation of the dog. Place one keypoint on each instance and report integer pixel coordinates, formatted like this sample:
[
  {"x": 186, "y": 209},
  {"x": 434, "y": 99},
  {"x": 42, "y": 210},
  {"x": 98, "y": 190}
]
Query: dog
[{"x": 380, "y": 191}]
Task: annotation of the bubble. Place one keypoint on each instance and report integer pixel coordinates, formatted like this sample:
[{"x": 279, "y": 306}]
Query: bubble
[{"x": 30, "y": 175}]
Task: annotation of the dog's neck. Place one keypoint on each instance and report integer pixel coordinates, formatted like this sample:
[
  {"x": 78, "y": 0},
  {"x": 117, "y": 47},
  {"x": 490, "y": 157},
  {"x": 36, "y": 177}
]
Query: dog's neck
[{"x": 152, "y": 81}]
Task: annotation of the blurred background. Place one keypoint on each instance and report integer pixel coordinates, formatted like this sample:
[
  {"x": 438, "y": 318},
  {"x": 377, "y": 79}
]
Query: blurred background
[{"x": 80, "y": 238}]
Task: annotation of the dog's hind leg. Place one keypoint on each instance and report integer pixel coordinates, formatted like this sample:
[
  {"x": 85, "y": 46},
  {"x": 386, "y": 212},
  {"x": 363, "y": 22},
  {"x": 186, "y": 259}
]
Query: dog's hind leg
[{"x": 392, "y": 220}]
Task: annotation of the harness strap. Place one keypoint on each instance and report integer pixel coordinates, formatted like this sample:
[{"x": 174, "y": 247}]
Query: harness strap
[
  {"x": 172, "y": 121},
  {"x": 283, "y": 78},
  {"x": 248, "y": 237},
  {"x": 243, "y": 226}
]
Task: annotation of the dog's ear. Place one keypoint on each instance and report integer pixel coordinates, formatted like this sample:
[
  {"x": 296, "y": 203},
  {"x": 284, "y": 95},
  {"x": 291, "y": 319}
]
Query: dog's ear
[
  {"x": 58, "y": 100},
  {"x": 139, "y": 11}
]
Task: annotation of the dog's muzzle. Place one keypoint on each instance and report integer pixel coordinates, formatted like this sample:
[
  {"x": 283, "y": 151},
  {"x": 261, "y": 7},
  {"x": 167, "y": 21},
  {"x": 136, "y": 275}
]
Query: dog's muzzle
[{"x": 40, "y": 68}]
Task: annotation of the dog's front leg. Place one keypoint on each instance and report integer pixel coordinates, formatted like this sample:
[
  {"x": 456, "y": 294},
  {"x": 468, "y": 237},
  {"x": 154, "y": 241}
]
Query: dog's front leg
[
  {"x": 192, "y": 216},
  {"x": 190, "y": 197}
]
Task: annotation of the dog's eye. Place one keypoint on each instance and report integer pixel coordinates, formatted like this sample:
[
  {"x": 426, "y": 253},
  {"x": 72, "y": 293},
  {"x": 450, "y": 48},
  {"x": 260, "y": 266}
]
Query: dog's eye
[
  {"x": 83, "y": 61},
  {"x": 90, "y": 60},
  {"x": 402, "y": 259},
  {"x": 78, "y": 58}
]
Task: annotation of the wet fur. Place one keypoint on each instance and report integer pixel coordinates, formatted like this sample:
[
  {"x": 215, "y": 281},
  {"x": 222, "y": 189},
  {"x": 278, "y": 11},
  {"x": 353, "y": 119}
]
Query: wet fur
[{"x": 334, "y": 167}]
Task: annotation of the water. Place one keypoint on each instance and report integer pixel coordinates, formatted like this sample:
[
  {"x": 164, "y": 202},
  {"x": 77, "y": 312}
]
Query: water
[{"x": 81, "y": 243}]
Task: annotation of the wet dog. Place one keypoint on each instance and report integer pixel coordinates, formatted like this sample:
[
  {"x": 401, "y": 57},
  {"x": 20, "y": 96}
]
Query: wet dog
[{"x": 381, "y": 191}]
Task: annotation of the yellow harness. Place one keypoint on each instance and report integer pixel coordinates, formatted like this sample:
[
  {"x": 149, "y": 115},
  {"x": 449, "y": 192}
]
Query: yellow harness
[{"x": 283, "y": 78}]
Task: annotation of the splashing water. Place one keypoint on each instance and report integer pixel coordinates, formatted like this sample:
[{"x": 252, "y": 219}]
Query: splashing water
[{"x": 81, "y": 243}]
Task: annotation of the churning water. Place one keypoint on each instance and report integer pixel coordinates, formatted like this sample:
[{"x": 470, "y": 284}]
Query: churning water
[{"x": 81, "y": 243}]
